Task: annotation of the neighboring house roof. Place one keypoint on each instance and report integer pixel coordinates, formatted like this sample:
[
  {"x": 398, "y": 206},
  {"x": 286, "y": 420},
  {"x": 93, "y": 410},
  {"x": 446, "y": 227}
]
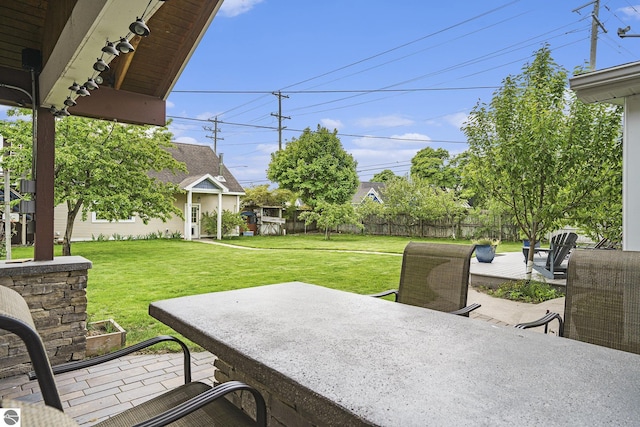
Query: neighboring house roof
[
  {"x": 372, "y": 190},
  {"x": 202, "y": 163}
]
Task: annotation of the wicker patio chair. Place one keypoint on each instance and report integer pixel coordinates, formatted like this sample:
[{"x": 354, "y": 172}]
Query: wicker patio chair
[
  {"x": 193, "y": 403},
  {"x": 602, "y": 304},
  {"x": 603, "y": 299},
  {"x": 435, "y": 276}
]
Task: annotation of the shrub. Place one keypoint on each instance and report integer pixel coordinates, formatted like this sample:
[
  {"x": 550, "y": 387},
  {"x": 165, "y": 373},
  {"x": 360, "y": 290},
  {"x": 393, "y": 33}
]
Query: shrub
[
  {"x": 526, "y": 291},
  {"x": 230, "y": 221}
]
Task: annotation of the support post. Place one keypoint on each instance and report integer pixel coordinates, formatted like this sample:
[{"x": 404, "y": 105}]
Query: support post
[{"x": 44, "y": 167}]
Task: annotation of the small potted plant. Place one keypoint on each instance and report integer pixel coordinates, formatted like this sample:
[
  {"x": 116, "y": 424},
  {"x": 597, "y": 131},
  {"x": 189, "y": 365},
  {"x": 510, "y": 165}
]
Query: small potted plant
[{"x": 486, "y": 249}]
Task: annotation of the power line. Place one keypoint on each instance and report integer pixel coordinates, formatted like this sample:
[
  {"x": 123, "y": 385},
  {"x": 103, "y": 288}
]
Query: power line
[
  {"x": 392, "y": 138},
  {"x": 388, "y": 88},
  {"x": 458, "y": 24},
  {"x": 422, "y": 89},
  {"x": 432, "y": 34}
]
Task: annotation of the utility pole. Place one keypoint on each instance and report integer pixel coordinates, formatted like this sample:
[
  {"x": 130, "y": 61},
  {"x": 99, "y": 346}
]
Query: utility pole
[
  {"x": 280, "y": 117},
  {"x": 595, "y": 23},
  {"x": 215, "y": 131}
]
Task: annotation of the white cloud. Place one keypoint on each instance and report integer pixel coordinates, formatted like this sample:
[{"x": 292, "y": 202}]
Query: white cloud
[
  {"x": 372, "y": 156},
  {"x": 267, "y": 149},
  {"x": 372, "y": 161},
  {"x": 206, "y": 116},
  {"x": 631, "y": 11},
  {"x": 170, "y": 104},
  {"x": 186, "y": 140},
  {"x": 405, "y": 139},
  {"x": 231, "y": 8},
  {"x": 386, "y": 121},
  {"x": 456, "y": 119},
  {"x": 331, "y": 124},
  {"x": 375, "y": 154}
]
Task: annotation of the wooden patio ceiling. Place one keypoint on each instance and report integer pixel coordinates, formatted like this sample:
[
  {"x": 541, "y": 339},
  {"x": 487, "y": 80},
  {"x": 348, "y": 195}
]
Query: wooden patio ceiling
[
  {"x": 70, "y": 34},
  {"x": 47, "y": 45}
]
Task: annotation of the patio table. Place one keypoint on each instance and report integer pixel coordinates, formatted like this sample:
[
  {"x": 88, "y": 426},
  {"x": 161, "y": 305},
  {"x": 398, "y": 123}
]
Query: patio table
[{"x": 328, "y": 357}]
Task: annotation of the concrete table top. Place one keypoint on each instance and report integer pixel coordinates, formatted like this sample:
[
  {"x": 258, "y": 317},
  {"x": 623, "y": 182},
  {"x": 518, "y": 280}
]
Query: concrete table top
[{"x": 358, "y": 360}]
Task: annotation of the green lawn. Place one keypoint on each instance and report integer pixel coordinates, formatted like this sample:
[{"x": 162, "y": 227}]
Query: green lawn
[
  {"x": 355, "y": 242},
  {"x": 128, "y": 275}
]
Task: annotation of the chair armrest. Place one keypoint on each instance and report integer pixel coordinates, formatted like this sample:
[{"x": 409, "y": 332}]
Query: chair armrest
[
  {"x": 466, "y": 310},
  {"x": 72, "y": 366},
  {"x": 385, "y": 293},
  {"x": 544, "y": 321},
  {"x": 206, "y": 397}
]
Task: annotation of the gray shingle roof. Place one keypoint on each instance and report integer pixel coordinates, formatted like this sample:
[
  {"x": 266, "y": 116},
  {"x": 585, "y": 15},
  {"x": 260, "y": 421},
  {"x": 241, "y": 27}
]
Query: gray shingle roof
[
  {"x": 200, "y": 160},
  {"x": 365, "y": 188}
]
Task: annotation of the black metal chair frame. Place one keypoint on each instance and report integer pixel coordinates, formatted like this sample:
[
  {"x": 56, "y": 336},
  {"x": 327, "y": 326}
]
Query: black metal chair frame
[
  {"x": 44, "y": 373},
  {"x": 544, "y": 321}
]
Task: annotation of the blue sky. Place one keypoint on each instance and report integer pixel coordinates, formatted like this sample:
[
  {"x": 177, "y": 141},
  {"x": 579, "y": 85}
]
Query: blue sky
[{"x": 391, "y": 77}]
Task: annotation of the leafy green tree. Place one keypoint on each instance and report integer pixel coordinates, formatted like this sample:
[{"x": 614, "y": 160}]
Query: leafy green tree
[
  {"x": 103, "y": 167},
  {"x": 600, "y": 216},
  {"x": 260, "y": 195},
  {"x": 368, "y": 209},
  {"x": 456, "y": 167},
  {"x": 537, "y": 150},
  {"x": 316, "y": 167},
  {"x": 420, "y": 200},
  {"x": 230, "y": 221},
  {"x": 331, "y": 215},
  {"x": 432, "y": 165},
  {"x": 384, "y": 176}
]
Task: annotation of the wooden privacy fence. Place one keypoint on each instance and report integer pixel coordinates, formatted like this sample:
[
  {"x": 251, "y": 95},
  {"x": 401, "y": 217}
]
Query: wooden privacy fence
[{"x": 469, "y": 227}]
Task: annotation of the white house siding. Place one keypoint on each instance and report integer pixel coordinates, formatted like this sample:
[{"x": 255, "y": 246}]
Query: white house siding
[{"x": 89, "y": 229}]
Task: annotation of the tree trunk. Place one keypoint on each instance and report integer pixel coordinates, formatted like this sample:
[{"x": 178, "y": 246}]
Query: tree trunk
[
  {"x": 71, "y": 217},
  {"x": 530, "y": 255}
]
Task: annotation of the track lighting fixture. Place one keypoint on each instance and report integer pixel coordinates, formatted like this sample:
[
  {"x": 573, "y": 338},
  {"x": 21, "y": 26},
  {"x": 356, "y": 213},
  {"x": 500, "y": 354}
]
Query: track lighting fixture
[
  {"x": 91, "y": 84},
  {"x": 69, "y": 102},
  {"x": 59, "y": 113},
  {"x": 139, "y": 28},
  {"x": 62, "y": 113},
  {"x": 100, "y": 66},
  {"x": 110, "y": 49},
  {"x": 83, "y": 91},
  {"x": 124, "y": 46}
]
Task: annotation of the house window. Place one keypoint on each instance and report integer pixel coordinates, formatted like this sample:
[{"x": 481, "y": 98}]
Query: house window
[
  {"x": 97, "y": 219},
  {"x": 373, "y": 197}
]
